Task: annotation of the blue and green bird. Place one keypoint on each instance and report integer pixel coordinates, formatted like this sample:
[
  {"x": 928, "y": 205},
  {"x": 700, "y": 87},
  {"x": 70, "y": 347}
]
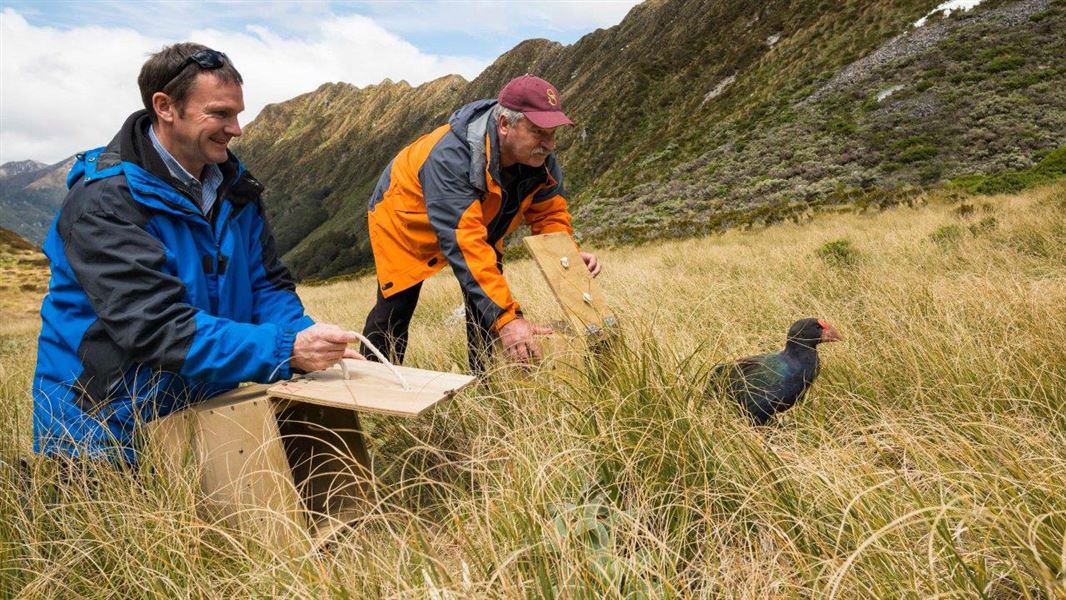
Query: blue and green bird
[{"x": 768, "y": 384}]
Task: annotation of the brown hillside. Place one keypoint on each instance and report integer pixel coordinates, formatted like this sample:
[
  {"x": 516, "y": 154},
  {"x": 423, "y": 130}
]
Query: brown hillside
[
  {"x": 23, "y": 276},
  {"x": 319, "y": 153},
  {"x": 697, "y": 115}
]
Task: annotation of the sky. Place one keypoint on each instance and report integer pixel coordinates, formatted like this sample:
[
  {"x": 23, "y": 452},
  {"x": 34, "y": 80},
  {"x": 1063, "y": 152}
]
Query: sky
[{"x": 68, "y": 69}]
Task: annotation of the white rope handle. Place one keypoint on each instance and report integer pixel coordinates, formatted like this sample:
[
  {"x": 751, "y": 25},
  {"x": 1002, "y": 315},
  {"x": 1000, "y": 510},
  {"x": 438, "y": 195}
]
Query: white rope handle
[{"x": 381, "y": 357}]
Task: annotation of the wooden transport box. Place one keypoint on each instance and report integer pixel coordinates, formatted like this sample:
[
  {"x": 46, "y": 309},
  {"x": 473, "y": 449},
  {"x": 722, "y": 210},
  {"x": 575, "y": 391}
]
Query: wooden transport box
[{"x": 287, "y": 462}]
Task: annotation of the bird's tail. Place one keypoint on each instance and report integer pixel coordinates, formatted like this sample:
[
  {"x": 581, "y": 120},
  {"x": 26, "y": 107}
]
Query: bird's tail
[{"x": 718, "y": 380}]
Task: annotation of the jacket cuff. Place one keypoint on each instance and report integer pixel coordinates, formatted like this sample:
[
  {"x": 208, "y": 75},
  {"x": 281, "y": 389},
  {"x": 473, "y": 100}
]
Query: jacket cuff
[
  {"x": 283, "y": 354},
  {"x": 297, "y": 326},
  {"x": 506, "y": 317}
]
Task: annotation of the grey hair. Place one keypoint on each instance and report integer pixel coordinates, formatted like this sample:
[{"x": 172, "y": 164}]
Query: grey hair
[{"x": 512, "y": 116}]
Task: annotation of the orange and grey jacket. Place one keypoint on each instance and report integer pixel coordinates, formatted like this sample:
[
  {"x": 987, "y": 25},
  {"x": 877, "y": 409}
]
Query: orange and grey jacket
[{"x": 440, "y": 199}]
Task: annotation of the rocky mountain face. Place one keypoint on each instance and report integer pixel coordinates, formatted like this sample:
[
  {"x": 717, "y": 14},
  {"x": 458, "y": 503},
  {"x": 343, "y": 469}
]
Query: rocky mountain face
[
  {"x": 30, "y": 194},
  {"x": 697, "y": 115},
  {"x": 18, "y": 167}
]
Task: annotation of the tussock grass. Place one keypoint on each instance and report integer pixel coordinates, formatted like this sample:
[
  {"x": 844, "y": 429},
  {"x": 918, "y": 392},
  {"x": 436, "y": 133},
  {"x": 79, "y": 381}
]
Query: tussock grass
[{"x": 929, "y": 460}]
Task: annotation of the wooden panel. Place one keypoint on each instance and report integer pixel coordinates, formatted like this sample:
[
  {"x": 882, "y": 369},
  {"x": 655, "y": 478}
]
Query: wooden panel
[
  {"x": 563, "y": 352},
  {"x": 373, "y": 388},
  {"x": 168, "y": 446},
  {"x": 245, "y": 472},
  {"x": 170, "y": 441},
  {"x": 285, "y": 471},
  {"x": 570, "y": 281}
]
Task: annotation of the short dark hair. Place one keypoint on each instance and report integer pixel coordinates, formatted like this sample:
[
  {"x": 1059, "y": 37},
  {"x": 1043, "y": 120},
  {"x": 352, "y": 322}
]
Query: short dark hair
[{"x": 158, "y": 71}]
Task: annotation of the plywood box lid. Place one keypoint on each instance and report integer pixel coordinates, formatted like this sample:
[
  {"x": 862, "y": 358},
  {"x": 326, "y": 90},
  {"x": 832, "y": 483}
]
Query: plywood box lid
[
  {"x": 560, "y": 262},
  {"x": 373, "y": 388}
]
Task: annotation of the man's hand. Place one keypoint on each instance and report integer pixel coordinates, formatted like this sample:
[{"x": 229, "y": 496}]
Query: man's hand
[
  {"x": 321, "y": 345},
  {"x": 516, "y": 337},
  {"x": 591, "y": 262}
]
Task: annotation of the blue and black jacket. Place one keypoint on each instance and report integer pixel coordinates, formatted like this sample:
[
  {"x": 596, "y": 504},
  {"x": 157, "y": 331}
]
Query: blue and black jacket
[{"x": 151, "y": 304}]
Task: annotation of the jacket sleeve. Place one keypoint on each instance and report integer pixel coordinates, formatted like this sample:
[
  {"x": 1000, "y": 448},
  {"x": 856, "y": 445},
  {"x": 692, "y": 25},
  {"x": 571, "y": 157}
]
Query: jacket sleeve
[
  {"x": 274, "y": 298},
  {"x": 454, "y": 209},
  {"x": 144, "y": 310},
  {"x": 548, "y": 212}
]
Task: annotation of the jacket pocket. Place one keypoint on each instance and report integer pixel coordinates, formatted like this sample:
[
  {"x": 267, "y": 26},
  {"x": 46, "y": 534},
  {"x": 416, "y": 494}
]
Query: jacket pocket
[{"x": 419, "y": 235}]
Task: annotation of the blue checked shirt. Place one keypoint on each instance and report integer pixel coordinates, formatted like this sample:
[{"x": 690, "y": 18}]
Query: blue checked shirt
[{"x": 207, "y": 190}]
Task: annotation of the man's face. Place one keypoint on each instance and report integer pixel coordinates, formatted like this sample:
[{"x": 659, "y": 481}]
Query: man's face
[
  {"x": 204, "y": 126},
  {"x": 525, "y": 143}
]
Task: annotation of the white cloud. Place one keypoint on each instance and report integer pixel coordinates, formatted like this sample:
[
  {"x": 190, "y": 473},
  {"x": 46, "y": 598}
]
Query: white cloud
[
  {"x": 66, "y": 90},
  {"x": 68, "y": 85},
  {"x": 477, "y": 17},
  {"x": 63, "y": 91}
]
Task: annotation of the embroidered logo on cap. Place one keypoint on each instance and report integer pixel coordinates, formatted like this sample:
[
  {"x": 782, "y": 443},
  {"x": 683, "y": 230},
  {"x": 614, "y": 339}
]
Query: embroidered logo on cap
[{"x": 551, "y": 97}]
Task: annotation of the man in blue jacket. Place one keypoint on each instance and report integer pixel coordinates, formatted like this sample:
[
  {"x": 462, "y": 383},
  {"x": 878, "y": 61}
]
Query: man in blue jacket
[{"x": 166, "y": 283}]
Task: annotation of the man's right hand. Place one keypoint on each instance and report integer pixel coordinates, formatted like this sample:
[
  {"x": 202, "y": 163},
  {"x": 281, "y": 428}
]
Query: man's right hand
[
  {"x": 516, "y": 337},
  {"x": 320, "y": 346}
]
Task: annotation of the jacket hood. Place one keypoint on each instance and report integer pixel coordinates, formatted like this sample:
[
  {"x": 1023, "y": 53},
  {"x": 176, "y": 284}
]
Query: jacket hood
[
  {"x": 470, "y": 123},
  {"x": 462, "y": 119}
]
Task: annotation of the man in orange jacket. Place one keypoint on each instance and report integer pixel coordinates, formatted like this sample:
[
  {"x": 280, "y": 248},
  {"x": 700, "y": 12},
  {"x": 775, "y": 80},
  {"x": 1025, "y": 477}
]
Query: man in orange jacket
[{"x": 451, "y": 197}]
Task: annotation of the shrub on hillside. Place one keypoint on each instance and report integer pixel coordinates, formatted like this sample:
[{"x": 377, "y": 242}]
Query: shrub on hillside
[
  {"x": 913, "y": 149},
  {"x": 1051, "y": 168},
  {"x": 1004, "y": 62},
  {"x": 839, "y": 253},
  {"x": 918, "y": 153},
  {"x": 986, "y": 224},
  {"x": 946, "y": 235}
]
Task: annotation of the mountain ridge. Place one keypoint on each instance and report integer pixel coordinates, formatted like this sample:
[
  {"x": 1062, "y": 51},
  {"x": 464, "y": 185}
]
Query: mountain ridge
[
  {"x": 30, "y": 197},
  {"x": 695, "y": 115},
  {"x": 692, "y": 116},
  {"x": 18, "y": 167}
]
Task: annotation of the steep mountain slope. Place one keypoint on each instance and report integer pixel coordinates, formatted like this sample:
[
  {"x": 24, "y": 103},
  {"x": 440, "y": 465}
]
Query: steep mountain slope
[
  {"x": 320, "y": 154},
  {"x": 977, "y": 93},
  {"x": 30, "y": 197},
  {"x": 694, "y": 115}
]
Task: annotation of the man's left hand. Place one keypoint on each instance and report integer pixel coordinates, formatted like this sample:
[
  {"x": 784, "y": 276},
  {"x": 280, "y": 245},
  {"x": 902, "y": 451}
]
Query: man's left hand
[{"x": 591, "y": 262}]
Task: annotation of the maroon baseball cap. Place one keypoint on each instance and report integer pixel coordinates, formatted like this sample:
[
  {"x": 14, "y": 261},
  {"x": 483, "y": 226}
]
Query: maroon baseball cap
[{"x": 537, "y": 99}]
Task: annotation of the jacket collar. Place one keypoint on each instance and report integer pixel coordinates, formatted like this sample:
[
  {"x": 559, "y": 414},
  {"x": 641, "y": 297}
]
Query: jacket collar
[
  {"x": 473, "y": 123},
  {"x": 144, "y": 168}
]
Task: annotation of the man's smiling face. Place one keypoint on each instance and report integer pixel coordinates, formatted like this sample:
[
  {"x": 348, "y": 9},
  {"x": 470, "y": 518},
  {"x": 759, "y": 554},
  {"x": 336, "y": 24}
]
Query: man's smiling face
[{"x": 203, "y": 127}]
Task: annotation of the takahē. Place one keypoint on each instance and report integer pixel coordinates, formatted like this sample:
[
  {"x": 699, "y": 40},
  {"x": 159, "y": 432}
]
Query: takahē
[{"x": 768, "y": 384}]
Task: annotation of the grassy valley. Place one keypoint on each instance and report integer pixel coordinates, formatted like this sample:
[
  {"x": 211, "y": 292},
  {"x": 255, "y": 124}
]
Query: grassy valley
[
  {"x": 927, "y": 461},
  {"x": 736, "y": 166}
]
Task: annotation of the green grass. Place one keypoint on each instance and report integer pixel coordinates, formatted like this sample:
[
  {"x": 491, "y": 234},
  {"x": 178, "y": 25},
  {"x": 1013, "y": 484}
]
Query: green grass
[
  {"x": 928, "y": 460},
  {"x": 838, "y": 253},
  {"x": 1050, "y": 168}
]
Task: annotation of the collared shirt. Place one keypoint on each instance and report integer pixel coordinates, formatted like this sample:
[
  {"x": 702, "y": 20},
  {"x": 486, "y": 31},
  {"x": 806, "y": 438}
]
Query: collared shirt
[{"x": 207, "y": 190}]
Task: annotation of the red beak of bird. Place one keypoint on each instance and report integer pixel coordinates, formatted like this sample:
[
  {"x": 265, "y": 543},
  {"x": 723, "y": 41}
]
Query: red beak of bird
[{"x": 830, "y": 334}]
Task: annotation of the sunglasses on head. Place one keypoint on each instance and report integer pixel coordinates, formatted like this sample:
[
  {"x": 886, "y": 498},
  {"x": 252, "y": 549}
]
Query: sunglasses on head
[{"x": 207, "y": 60}]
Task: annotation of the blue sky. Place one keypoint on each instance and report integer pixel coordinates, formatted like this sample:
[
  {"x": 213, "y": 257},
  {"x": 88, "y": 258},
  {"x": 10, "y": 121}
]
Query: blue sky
[{"x": 68, "y": 69}]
